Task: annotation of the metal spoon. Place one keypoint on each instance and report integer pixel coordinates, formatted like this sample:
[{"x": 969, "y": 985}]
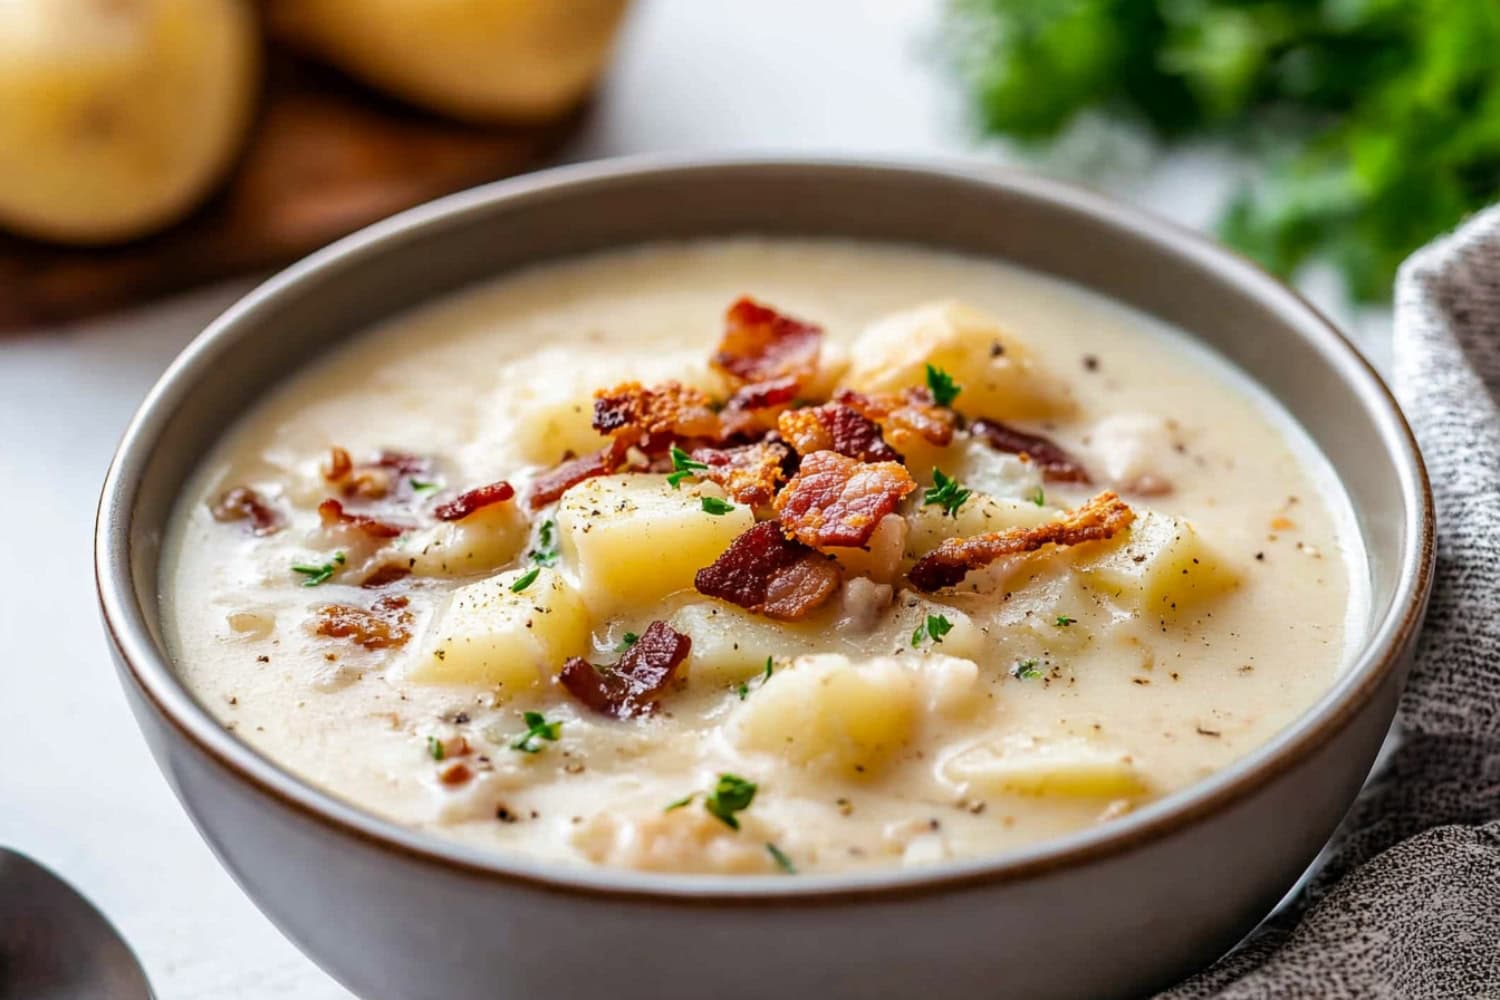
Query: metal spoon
[{"x": 54, "y": 945}]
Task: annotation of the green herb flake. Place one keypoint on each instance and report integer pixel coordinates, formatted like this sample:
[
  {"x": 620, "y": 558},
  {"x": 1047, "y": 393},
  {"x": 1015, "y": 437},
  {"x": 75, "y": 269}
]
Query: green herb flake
[
  {"x": 934, "y": 628},
  {"x": 537, "y": 728},
  {"x": 319, "y": 574},
  {"x": 626, "y": 641},
  {"x": 1038, "y": 497},
  {"x": 435, "y": 748},
  {"x": 526, "y": 579},
  {"x": 944, "y": 389},
  {"x": 683, "y": 466},
  {"x": 685, "y": 800},
  {"x": 716, "y": 507},
  {"x": 743, "y": 690},
  {"x": 946, "y": 493},
  {"x": 782, "y": 861},
  {"x": 732, "y": 794},
  {"x": 545, "y": 553},
  {"x": 1026, "y": 670},
  {"x": 423, "y": 487},
  {"x": 1063, "y": 621}
]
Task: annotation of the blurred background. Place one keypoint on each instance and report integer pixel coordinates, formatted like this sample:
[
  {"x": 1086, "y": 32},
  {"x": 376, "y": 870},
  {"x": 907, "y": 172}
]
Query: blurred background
[{"x": 158, "y": 157}]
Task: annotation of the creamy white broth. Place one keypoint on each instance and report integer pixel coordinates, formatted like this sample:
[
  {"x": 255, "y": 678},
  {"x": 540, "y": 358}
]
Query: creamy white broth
[{"x": 1136, "y": 707}]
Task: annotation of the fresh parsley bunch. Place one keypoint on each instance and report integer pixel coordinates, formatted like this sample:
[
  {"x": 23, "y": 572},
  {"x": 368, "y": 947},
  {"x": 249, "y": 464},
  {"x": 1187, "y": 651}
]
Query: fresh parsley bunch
[{"x": 1376, "y": 122}]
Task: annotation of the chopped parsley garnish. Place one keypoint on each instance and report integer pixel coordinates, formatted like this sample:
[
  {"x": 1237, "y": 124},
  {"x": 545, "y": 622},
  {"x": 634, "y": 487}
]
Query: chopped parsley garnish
[
  {"x": 765, "y": 675},
  {"x": 732, "y": 794},
  {"x": 626, "y": 641},
  {"x": 1039, "y": 497},
  {"x": 743, "y": 690},
  {"x": 1064, "y": 621},
  {"x": 545, "y": 553},
  {"x": 946, "y": 493},
  {"x": 319, "y": 574},
  {"x": 1026, "y": 670},
  {"x": 526, "y": 579},
  {"x": 685, "y": 800},
  {"x": 423, "y": 487},
  {"x": 944, "y": 389},
  {"x": 782, "y": 861},
  {"x": 435, "y": 748},
  {"x": 934, "y": 628},
  {"x": 715, "y": 506},
  {"x": 683, "y": 466},
  {"x": 537, "y": 728}
]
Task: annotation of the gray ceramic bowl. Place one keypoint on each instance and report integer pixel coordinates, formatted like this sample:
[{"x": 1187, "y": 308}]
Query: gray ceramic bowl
[{"x": 1110, "y": 911}]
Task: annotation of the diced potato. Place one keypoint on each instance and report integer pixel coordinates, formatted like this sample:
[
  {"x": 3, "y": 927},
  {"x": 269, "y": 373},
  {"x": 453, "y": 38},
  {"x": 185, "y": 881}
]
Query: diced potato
[
  {"x": 880, "y": 558},
  {"x": 1028, "y": 766},
  {"x": 489, "y": 634},
  {"x": 979, "y": 514},
  {"x": 556, "y": 425},
  {"x": 827, "y": 712},
  {"x": 1160, "y": 564},
  {"x": 999, "y": 379},
  {"x": 963, "y": 637},
  {"x": 633, "y": 539},
  {"x": 985, "y": 470},
  {"x": 482, "y": 542},
  {"x": 730, "y": 645}
]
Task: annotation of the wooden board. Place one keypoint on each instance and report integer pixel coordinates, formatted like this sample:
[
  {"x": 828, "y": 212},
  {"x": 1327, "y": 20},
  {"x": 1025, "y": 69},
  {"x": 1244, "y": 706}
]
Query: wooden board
[{"x": 326, "y": 157}]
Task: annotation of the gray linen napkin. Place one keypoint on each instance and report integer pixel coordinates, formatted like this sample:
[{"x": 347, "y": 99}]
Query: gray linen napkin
[{"x": 1408, "y": 905}]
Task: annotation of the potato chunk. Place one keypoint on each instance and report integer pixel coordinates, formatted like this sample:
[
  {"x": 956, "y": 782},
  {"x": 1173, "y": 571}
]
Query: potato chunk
[
  {"x": 480, "y": 543},
  {"x": 1026, "y": 765},
  {"x": 730, "y": 644},
  {"x": 999, "y": 379},
  {"x": 633, "y": 539},
  {"x": 489, "y": 634},
  {"x": 1160, "y": 564}
]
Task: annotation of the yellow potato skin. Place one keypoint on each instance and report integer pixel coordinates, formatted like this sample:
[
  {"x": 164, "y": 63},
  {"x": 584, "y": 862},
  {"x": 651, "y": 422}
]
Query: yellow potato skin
[
  {"x": 475, "y": 59},
  {"x": 116, "y": 119}
]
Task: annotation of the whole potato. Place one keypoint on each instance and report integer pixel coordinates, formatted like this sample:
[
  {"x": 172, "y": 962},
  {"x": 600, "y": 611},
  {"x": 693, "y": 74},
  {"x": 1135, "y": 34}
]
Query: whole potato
[
  {"x": 117, "y": 116},
  {"x": 476, "y": 59}
]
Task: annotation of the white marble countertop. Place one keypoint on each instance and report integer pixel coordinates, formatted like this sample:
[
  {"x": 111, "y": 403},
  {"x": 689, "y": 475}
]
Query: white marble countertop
[{"x": 78, "y": 790}]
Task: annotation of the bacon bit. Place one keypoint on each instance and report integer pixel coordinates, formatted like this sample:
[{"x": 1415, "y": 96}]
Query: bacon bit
[
  {"x": 551, "y": 485},
  {"x": 385, "y": 576},
  {"x": 766, "y": 572},
  {"x": 244, "y": 504},
  {"x": 764, "y": 395},
  {"x": 835, "y": 501},
  {"x": 750, "y": 473},
  {"x": 762, "y": 345},
  {"x": 386, "y": 625},
  {"x": 332, "y": 512},
  {"x": 478, "y": 498},
  {"x": 902, "y": 416},
  {"x": 950, "y": 562},
  {"x": 630, "y": 687},
  {"x": 373, "y": 480},
  {"x": 455, "y": 773},
  {"x": 835, "y": 427},
  {"x": 1056, "y": 464},
  {"x": 636, "y": 416},
  {"x": 339, "y": 465}
]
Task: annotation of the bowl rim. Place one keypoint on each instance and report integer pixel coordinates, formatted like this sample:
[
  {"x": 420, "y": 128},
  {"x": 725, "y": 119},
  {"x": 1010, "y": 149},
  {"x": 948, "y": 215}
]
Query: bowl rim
[{"x": 152, "y": 677}]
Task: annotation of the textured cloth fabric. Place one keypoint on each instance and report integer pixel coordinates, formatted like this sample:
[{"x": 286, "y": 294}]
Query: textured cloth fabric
[{"x": 1408, "y": 904}]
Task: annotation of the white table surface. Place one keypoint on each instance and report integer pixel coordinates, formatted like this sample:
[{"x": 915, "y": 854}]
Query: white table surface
[{"x": 78, "y": 790}]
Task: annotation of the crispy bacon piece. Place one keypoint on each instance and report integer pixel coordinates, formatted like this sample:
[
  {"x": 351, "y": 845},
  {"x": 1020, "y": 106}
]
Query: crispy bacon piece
[
  {"x": 764, "y": 395},
  {"x": 766, "y": 572},
  {"x": 332, "y": 512},
  {"x": 551, "y": 485},
  {"x": 950, "y": 562},
  {"x": 651, "y": 418},
  {"x": 478, "y": 498},
  {"x": 390, "y": 472},
  {"x": 835, "y": 427},
  {"x": 763, "y": 345},
  {"x": 750, "y": 473},
  {"x": 903, "y": 415},
  {"x": 339, "y": 465},
  {"x": 835, "y": 501},
  {"x": 384, "y": 576},
  {"x": 244, "y": 504},
  {"x": 1056, "y": 464},
  {"x": 386, "y": 625},
  {"x": 631, "y": 686}
]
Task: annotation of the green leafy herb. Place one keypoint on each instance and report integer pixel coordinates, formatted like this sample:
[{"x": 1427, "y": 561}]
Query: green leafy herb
[
  {"x": 435, "y": 748},
  {"x": 423, "y": 487},
  {"x": 545, "y": 553},
  {"x": 1038, "y": 497},
  {"x": 782, "y": 861},
  {"x": 685, "y": 800},
  {"x": 744, "y": 686},
  {"x": 934, "y": 628},
  {"x": 715, "y": 506},
  {"x": 319, "y": 574},
  {"x": 732, "y": 794},
  {"x": 944, "y": 389},
  {"x": 537, "y": 728},
  {"x": 626, "y": 641},
  {"x": 946, "y": 493},
  {"x": 1026, "y": 670},
  {"x": 1064, "y": 621},
  {"x": 1375, "y": 124},
  {"x": 683, "y": 466},
  {"x": 526, "y": 579},
  {"x": 743, "y": 690}
]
